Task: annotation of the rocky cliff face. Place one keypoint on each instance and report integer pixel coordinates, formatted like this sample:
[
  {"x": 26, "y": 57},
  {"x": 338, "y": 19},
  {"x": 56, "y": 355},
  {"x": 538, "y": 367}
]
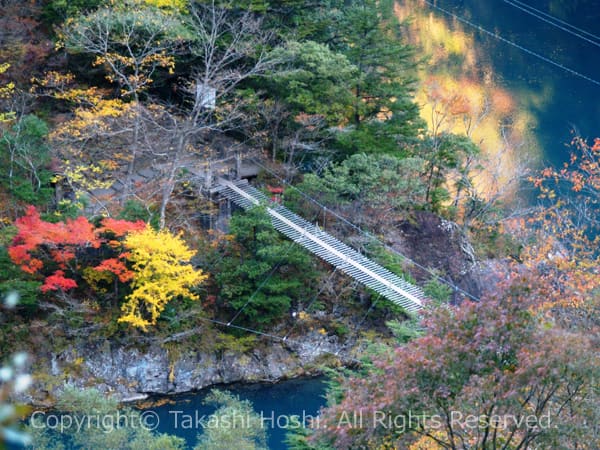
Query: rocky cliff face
[
  {"x": 130, "y": 373},
  {"x": 438, "y": 244}
]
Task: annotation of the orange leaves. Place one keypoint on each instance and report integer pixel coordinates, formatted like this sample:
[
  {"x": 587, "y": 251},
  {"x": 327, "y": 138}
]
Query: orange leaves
[
  {"x": 461, "y": 98},
  {"x": 62, "y": 256},
  {"x": 57, "y": 281},
  {"x": 78, "y": 232},
  {"x": 502, "y": 102},
  {"x": 41, "y": 245},
  {"x": 563, "y": 236},
  {"x": 116, "y": 267},
  {"x": 120, "y": 227},
  {"x": 459, "y": 104},
  {"x": 19, "y": 255},
  {"x": 492, "y": 356},
  {"x": 448, "y": 98},
  {"x": 32, "y": 265},
  {"x": 155, "y": 264},
  {"x": 578, "y": 181},
  {"x": 112, "y": 165},
  {"x": 547, "y": 173},
  {"x": 34, "y": 232}
]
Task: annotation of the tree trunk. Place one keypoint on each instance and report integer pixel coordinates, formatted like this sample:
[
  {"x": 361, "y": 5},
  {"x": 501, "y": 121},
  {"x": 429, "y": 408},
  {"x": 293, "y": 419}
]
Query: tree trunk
[{"x": 169, "y": 185}]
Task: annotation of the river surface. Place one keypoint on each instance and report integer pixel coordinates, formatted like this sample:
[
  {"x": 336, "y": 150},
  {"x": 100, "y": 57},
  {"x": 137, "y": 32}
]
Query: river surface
[
  {"x": 275, "y": 403},
  {"x": 546, "y": 34}
]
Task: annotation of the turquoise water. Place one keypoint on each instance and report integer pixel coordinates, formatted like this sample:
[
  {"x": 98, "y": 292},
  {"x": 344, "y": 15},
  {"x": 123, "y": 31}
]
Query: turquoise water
[
  {"x": 563, "y": 101},
  {"x": 276, "y": 403},
  {"x": 184, "y": 415}
]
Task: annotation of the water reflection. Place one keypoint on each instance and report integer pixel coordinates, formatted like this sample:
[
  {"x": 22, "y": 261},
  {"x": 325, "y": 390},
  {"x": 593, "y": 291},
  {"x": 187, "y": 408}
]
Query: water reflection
[
  {"x": 275, "y": 403},
  {"x": 547, "y": 103}
]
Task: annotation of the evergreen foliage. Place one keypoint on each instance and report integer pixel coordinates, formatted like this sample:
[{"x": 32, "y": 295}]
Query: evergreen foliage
[
  {"x": 262, "y": 272},
  {"x": 103, "y": 423},
  {"x": 315, "y": 80},
  {"x": 24, "y": 161}
]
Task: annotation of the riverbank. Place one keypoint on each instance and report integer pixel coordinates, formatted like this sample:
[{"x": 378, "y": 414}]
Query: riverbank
[{"x": 133, "y": 373}]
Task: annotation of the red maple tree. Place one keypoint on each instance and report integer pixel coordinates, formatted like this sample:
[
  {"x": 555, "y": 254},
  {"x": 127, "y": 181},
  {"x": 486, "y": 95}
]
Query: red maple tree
[{"x": 58, "y": 251}]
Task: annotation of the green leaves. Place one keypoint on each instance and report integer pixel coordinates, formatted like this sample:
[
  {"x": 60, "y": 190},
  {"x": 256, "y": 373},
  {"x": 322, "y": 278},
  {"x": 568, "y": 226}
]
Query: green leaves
[
  {"x": 108, "y": 425},
  {"x": 368, "y": 35},
  {"x": 376, "y": 181},
  {"x": 315, "y": 80},
  {"x": 228, "y": 431},
  {"x": 130, "y": 39},
  {"x": 24, "y": 161},
  {"x": 56, "y": 11},
  {"x": 262, "y": 271},
  {"x": 444, "y": 154}
]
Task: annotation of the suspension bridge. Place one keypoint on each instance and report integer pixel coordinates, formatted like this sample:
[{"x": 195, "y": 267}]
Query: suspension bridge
[{"x": 326, "y": 247}]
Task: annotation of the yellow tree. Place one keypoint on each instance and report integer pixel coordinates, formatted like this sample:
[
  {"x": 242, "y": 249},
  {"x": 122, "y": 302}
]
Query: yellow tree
[
  {"x": 172, "y": 5},
  {"x": 5, "y": 92},
  {"x": 162, "y": 271},
  {"x": 133, "y": 41},
  {"x": 92, "y": 143}
]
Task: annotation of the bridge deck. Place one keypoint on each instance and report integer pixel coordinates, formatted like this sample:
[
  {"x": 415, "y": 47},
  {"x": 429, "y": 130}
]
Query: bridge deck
[{"x": 328, "y": 248}]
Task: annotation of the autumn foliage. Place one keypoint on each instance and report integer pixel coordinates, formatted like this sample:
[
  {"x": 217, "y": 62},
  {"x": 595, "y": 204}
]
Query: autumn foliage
[
  {"x": 563, "y": 235},
  {"x": 161, "y": 271},
  {"x": 517, "y": 370},
  {"x": 520, "y": 376},
  {"x": 154, "y": 266},
  {"x": 41, "y": 246}
]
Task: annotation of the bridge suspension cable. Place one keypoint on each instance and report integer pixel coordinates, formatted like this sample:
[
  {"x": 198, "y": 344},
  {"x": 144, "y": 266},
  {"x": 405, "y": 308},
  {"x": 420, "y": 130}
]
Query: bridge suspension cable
[
  {"x": 277, "y": 338},
  {"x": 514, "y": 44},
  {"x": 263, "y": 282},
  {"x": 555, "y": 21},
  {"x": 328, "y": 248},
  {"x": 368, "y": 234},
  {"x": 311, "y": 303}
]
